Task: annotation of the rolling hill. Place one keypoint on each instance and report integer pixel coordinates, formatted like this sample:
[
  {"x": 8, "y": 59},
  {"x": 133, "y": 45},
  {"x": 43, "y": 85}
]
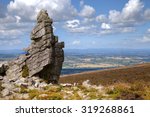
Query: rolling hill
[{"x": 130, "y": 74}]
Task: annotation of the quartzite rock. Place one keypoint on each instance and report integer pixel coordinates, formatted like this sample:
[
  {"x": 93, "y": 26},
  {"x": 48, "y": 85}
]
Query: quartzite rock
[{"x": 44, "y": 57}]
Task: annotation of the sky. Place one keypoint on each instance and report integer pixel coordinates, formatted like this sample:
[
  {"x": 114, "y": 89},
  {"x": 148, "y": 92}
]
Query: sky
[{"x": 81, "y": 24}]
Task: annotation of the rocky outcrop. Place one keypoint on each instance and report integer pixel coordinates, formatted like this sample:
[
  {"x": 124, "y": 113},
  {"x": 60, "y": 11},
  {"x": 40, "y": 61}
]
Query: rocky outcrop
[
  {"x": 43, "y": 58},
  {"x": 45, "y": 54}
]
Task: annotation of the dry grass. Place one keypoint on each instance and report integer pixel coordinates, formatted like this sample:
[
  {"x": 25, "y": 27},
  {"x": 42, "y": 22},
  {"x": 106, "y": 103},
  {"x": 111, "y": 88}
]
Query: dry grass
[
  {"x": 137, "y": 73},
  {"x": 86, "y": 91},
  {"x": 129, "y": 83}
]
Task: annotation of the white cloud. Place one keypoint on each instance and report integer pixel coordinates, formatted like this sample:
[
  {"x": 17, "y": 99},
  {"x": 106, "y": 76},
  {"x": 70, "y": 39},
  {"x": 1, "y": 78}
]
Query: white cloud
[
  {"x": 12, "y": 32},
  {"x": 88, "y": 21},
  {"x": 105, "y": 26},
  {"x": 146, "y": 37},
  {"x": 17, "y": 19},
  {"x": 87, "y": 11},
  {"x": 75, "y": 26},
  {"x": 126, "y": 29},
  {"x": 81, "y": 29},
  {"x": 126, "y": 20},
  {"x": 73, "y": 23},
  {"x": 20, "y": 14},
  {"x": 28, "y": 9},
  {"x": 131, "y": 13},
  {"x": 101, "y": 18},
  {"x": 9, "y": 42},
  {"x": 132, "y": 9},
  {"x": 76, "y": 42},
  {"x": 114, "y": 16},
  {"x": 105, "y": 32},
  {"x": 7, "y": 19}
]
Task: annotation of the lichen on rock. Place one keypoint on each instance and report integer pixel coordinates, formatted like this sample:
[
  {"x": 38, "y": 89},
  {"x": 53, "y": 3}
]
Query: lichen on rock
[{"x": 25, "y": 71}]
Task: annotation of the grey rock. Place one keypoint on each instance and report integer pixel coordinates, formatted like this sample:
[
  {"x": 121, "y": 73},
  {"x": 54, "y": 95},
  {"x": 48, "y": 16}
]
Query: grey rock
[
  {"x": 36, "y": 84},
  {"x": 42, "y": 85},
  {"x": 3, "y": 68},
  {"x": 43, "y": 59},
  {"x": 5, "y": 92},
  {"x": 1, "y": 78}
]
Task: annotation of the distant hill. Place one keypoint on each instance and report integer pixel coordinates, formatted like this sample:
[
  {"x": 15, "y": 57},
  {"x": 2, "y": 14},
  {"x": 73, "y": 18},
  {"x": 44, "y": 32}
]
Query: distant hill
[
  {"x": 11, "y": 51},
  {"x": 109, "y": 52},
  {"x": 130, "y": 74},
  {"x": 10, "y": 54}
]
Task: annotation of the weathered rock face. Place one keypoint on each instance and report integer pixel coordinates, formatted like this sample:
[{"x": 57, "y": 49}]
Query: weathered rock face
[{"x": 44, "y": 57}]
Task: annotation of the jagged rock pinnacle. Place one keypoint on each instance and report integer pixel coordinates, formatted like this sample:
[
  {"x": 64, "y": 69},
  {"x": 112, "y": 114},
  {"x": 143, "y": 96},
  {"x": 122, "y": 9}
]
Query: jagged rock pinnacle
[{"x": 44, "y": 57}]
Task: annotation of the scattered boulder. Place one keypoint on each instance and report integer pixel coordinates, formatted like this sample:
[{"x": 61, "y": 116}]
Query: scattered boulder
[
  {"x": 1, "y": 78},
  {"x": 3, "y": 68},
  {"x": 5, "y": 92}
]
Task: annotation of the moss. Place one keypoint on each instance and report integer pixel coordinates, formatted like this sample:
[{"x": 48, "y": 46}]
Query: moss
[
  {"x": 23, "y": 90},
  {"x": 25, "y": 71},
  {"x": 1, "y": 88},
  {"x": 54, "y": 88},
  {"x": 117, "y": 91},
  {"x": 51, "y": 96},
  {"x": 56, "y": 38}
]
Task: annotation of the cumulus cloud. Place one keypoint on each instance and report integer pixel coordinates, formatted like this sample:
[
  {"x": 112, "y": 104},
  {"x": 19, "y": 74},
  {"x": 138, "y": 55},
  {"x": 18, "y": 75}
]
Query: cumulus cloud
[
  {"x": 132, "y": 10},
  {"x": 13, "y": 33},
  {"x": 101, "y": 18},
  {"x": 7, "y": 19},
  {"x": 124, "y": 21},
  {"x": 87, "y": 11},
  {"x": 75, "y": 26},
  {"x": 73, "y": 23},
  {"x": 9, "y": 42},
  {"x": 105, "y": 26},
  {"x": 17, "y": 20},
  {"x": 82, "y": 29},
  {"x": 131, "y": 13},
  {"x": 88, "y": 20},
  {"x": 9, "y": 37},
  {"x": 28, "y": 9}
]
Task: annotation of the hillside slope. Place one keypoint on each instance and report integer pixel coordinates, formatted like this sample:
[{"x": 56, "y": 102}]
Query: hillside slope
[{"x": 130, "y": 74}]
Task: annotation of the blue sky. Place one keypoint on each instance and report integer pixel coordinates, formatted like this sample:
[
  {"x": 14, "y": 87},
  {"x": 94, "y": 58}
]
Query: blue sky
[{"x": 81, "y": 24}]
